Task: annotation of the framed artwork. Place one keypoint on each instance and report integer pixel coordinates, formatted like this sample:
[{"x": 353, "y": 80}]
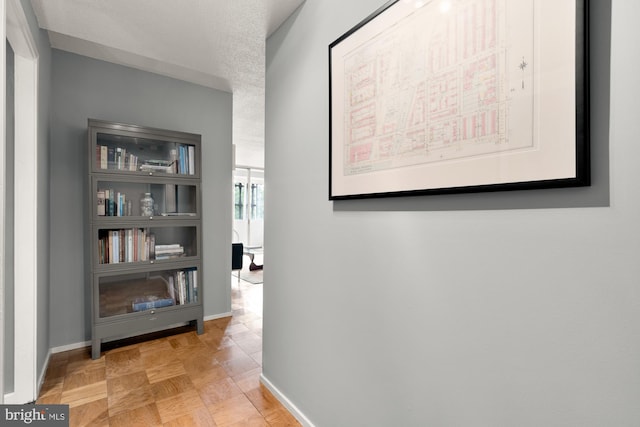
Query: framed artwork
[{"x": 452, "y": 96}]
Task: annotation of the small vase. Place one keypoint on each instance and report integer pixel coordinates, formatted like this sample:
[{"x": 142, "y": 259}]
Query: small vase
[{"x": 146, "y": 205}]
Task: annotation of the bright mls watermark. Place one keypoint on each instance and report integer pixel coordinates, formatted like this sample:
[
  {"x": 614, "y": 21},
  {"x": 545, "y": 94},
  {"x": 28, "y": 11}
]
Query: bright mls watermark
[{"x": 36, "y": 415}]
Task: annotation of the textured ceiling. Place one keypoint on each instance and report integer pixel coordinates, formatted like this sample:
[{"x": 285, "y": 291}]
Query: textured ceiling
[{"x": 214, "y": 43}]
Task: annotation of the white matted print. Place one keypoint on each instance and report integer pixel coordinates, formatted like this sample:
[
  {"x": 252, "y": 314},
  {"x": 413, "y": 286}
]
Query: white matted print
[{"x": 459, "y": 95}]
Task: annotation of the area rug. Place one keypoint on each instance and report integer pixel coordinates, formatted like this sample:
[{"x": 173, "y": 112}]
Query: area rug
[{"x": 254, "y": 276}]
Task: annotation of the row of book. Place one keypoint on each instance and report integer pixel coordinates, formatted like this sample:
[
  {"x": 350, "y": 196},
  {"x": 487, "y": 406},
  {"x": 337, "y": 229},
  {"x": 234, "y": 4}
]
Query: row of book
[
  {"x": 126, "y": 245},
  {"x": 181, "y": 161},
  {"x": 115, "y": 158},
  {"x": 182, "y": 288},
  {"x": 133, "y": 245},
  {"x": 185, "y": 286},
  {"x": 111, "y": 203},
  {"x": 186, "y": 161}
]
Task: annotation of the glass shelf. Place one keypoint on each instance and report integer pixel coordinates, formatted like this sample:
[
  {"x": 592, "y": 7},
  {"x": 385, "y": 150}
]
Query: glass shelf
[
  {"x": 123, "y": 153},
  {"x": 119, "y": 198},
  {"x": 129, "y": 245},
  {"x": 147, "y": 291}
]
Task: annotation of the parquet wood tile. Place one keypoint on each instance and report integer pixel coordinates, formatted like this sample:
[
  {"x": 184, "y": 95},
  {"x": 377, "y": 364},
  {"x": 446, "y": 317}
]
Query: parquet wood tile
[
  {"x": 179, "y": 404},
  {"x": 229, "y": 353},
  {"x": 165, "y": 370},
  {"x": 209, "y": 376},
  {"x": 131, "y": 399},
  {"x": 235, "y": 329},
  {"x": 84, "y": 394},
  {"x": 200, "y": 417},
  {"x": 79, "y": 377},
  {"x": 238, "y": 409},
  {"x": 249, "y": 380},
  {"x": 122, "y": 384},
  {"x": 124, "y": 362},
  {"x": 94, "y": 413},
  {"x": 57, "y": 369},
  {"x": 173, "y": 378},
  {"x": 172, "y": 386},
  {"x": 257, "y": 357},
  {"x": 239, "y": 365},
  {"x": 250, "y": 343},
  {"x": 216, "y": 343},
  {"x": 50, "y": 399},
  {"x": 201, "y": 361},
  {"x": 219, "y": 391},
  {"x": 52, "y": 387},
  {"x": 263, "y": 401},
  {"x": 281, "y": 418},
  {"x": 147, "y": 415}
]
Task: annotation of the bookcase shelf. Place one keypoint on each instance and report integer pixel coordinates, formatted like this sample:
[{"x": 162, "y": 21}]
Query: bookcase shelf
[
  {"x": 145, "y": 230},
  {"x": 119, "y": 196}
]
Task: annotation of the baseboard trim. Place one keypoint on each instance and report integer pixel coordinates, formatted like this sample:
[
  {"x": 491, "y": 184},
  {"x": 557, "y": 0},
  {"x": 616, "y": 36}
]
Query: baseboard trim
[
  {"x": 218, "y": 316},
  {"x": 43, "y": 373},
  {"x": 68, "y": 347},
  {"x": 78, "y": 345},
  {"x": 297, "y": 413}
]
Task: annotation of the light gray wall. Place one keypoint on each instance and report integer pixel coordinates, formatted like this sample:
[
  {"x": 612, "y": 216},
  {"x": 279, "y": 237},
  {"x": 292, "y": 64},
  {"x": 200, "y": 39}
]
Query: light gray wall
[
  {"x": 467, "y": 310},
  {"x": 85, "y": 88}
]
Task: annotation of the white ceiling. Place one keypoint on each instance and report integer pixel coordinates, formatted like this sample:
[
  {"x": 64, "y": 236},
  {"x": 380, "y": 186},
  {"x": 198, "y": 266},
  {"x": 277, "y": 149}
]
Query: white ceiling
[{"x": 214, "y": 43}]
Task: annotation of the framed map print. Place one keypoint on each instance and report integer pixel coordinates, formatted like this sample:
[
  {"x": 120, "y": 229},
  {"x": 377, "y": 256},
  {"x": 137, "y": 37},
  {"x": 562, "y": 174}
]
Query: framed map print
[{"x": 451, "y": 96}]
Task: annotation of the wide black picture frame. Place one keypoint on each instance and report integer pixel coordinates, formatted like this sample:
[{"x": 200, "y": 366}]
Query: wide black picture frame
[{"x": 458, "y": 96}]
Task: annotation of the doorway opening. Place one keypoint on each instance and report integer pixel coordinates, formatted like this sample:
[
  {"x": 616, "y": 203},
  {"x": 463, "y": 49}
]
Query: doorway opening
[{"x": 248, "y": 223}]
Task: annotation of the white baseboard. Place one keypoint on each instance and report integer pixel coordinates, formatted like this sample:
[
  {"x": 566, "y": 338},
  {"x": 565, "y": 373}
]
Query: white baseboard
[
  {"x": 68, "y": 347},
  {"x": 78, "y": 345},
  {"x": 218, "y": 316},
  {"x": 302, "y": 419},
  {"x": 41, "y": 377}
]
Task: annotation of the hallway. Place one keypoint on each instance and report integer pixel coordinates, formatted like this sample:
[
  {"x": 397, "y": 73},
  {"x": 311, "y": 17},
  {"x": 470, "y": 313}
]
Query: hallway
[{"x": 179, "y": 379}]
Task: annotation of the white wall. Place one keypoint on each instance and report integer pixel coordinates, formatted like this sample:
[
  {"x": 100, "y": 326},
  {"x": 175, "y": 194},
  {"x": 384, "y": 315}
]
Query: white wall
[
  {"x": 32, "y": 87},
  {"x": 467, "y": 310}
]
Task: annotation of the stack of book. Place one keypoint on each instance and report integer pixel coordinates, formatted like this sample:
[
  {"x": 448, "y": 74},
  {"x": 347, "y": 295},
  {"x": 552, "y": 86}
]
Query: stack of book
[
  {"x": 174, "y": 250},
  {"x": 166, "y": 166},
  {"x": 151, "y": 302}
]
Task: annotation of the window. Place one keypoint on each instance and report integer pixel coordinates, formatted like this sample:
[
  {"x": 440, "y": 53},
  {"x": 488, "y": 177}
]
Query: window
[
  {"x": 257, "y": 201},
  {"x": 238, "y": 197}
]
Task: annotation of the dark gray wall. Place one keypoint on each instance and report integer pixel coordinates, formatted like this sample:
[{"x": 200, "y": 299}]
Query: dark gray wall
[
  {"x": 86, "y": 88},
  {"x": 8, "y": 224},
  {"x": 486, "y": 309}
]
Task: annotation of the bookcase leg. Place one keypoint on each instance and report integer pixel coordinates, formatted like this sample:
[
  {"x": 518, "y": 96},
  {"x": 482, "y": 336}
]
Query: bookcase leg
[
  {"x": 95, "y": 349},
  {"x": 200, "y": 326}
]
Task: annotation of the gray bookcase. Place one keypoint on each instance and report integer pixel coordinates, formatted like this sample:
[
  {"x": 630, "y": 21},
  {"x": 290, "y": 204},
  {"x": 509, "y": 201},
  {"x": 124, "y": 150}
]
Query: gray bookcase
[{"x": 145, "y": 230}]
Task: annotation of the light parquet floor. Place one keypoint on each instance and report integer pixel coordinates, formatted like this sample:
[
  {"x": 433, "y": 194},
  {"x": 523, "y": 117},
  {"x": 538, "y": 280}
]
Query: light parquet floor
[{"x": 177, "y": 379}]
